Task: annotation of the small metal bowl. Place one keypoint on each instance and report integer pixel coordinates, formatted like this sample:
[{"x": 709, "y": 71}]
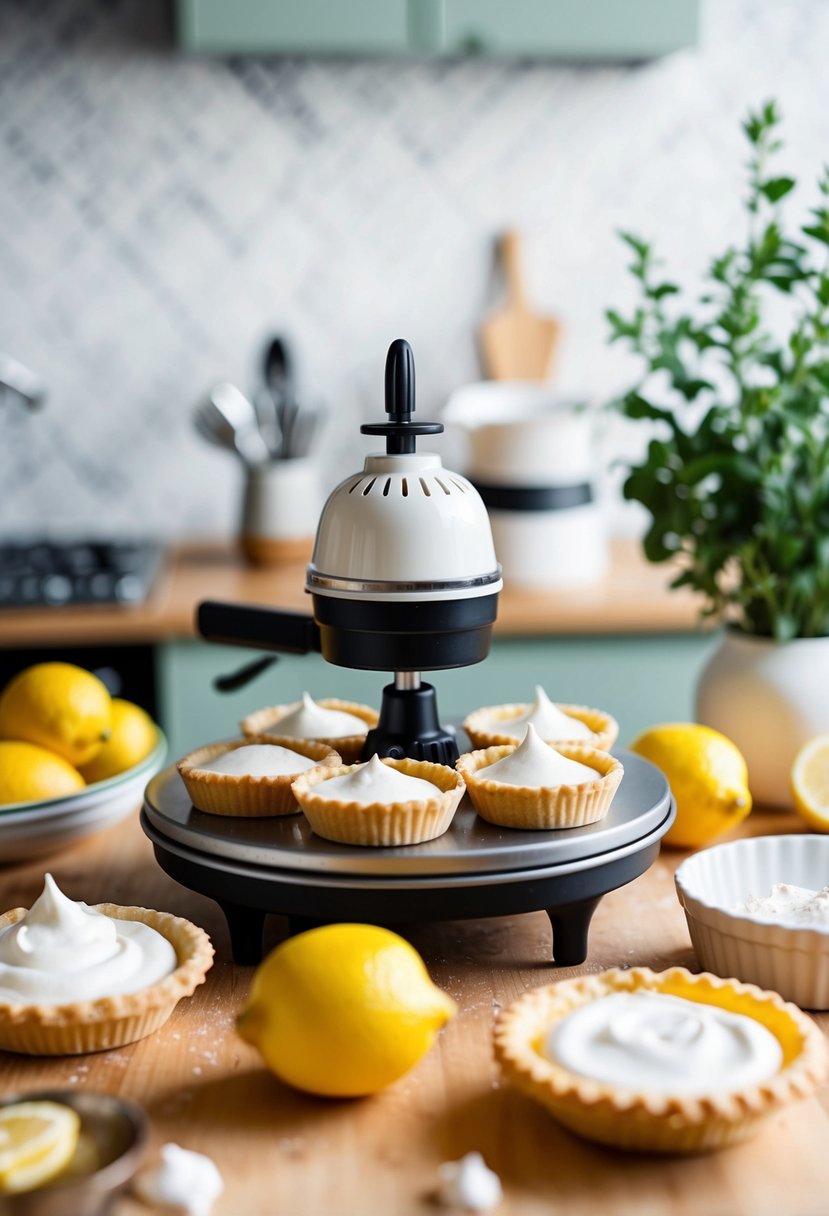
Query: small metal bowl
[{"x": 119, "y": 1132}]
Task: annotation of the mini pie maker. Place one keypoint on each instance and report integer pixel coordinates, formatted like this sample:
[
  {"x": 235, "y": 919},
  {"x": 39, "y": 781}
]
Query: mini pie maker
[{"x": 403, "y": 578}]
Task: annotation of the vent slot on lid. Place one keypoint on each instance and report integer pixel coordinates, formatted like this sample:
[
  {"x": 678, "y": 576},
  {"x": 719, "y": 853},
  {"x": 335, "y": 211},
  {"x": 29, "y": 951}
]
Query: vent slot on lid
[
  {"x": 425, "y": 488},
  {"x": 445, "y": 488},
  {"x": 367, "y": 490},
  {"x": 405, "y": 487}
]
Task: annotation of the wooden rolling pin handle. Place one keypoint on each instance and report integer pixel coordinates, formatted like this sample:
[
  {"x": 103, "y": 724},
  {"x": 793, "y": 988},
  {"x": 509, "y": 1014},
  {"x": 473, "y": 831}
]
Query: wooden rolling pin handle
[{"x": 510, "y": 250}]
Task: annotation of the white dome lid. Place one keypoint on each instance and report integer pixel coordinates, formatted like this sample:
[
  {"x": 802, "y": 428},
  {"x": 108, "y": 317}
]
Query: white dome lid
[{"x": 404, "y": 520}]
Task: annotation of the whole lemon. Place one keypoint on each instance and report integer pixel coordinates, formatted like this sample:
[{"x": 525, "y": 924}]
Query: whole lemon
[
  {"x": 29, "y": 774},
  {"x": 133, "y": 737},
  {"x": 60, "y": 707},
  {"x": 708, "y": 777},
  {"x": 343, "y": 1010}
]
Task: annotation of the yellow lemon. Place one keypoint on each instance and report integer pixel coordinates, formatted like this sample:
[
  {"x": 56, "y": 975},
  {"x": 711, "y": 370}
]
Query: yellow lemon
[
  {"x": 58, "y": 706},
  {"x": 343, "y": 1010},
  {"x": 29, "y": 774},
  {"x": 810, "y": 782},
  {"x": 133, "y": 737},
  {"x": 37, "y": 1141},
  {"x": 708, "y": 777}
]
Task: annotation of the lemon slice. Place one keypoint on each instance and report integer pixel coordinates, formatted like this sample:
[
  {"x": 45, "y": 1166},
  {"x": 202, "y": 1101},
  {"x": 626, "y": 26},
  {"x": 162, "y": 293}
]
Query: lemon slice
[
  {"x": 37, "y": 1139},
  {"x": 810, "y": 782}
]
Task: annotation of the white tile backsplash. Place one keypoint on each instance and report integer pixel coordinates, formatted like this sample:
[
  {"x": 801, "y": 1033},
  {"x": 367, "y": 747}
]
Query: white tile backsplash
[{"x": 159, "y": 216}]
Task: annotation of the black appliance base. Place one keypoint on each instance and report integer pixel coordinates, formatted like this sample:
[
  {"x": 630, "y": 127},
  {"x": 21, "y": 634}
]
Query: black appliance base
[
  {"x": 409, "y": 726},
  {"x": 246, "y": 897}
]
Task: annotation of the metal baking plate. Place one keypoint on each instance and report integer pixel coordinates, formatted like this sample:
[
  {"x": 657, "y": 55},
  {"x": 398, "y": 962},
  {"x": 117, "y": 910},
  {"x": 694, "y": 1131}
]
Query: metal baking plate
[{"x": 471, "y": 846}]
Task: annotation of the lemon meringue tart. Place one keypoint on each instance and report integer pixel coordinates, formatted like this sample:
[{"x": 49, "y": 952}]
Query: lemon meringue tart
[
  {"x": 251, "y": 777},
  {"x": 75, "y": 978},
  {"x": 342, "y": 725},
  {"x": 667, "y": 1062},
  {"x": 555, "y": 723},
  {"x": 533, "y": 785},
  {"x": 382, "y": 802}
]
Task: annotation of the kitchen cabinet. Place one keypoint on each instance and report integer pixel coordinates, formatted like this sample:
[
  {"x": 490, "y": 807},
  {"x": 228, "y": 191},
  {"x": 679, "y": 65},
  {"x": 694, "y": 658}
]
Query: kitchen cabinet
[{"x": 538, "y": 29}]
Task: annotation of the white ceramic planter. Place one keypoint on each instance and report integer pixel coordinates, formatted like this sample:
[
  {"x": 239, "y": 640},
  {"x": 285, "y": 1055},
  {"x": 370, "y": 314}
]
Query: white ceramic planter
[{"x": 769, "y": 698}]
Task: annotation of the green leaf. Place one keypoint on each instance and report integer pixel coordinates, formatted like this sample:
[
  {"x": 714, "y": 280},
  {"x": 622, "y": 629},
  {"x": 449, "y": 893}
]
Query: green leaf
[
  {"x": 664, "y": 289},
  {"x": 637, "y": 407},
  {"x": 640, "y": 247},
  {"x": 777, "y": 187},
  {"x": 820, "y": 233}
]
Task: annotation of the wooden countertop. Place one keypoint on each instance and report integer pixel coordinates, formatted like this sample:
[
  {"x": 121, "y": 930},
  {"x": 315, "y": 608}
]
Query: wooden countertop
[
  {"x": 633, "y": 598},
  {"x": 282, "y": 1154}
]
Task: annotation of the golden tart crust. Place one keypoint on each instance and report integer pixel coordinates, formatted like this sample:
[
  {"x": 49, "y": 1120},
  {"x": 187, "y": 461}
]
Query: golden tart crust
[
  {"x": 542, "y": 807},
  {"x": 482, "y": 725},
  {"x": 234, "y": 794},
  {"x": 377, "y": 823},
  {"x": 78, "y": 1027},
  {"x": 643, "y": 1120},
  {"x": 265, "y": 724}
]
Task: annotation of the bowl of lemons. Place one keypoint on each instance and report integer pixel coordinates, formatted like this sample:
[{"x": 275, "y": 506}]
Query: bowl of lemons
[{"x": 73, "y": 759}]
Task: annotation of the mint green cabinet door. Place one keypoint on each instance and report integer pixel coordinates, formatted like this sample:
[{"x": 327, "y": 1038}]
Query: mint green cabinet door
[
  {"x": 640, "y": 680},
  {"x": 551, "y": 29}
]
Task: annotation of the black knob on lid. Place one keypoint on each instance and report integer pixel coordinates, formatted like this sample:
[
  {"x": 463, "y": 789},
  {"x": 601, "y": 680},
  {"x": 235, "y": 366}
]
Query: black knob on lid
[{"x": 400, "y": 431}]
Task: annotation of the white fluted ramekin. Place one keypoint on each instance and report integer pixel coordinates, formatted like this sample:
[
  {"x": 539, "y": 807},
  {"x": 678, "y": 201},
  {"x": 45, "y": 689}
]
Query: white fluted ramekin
[{"x": 772, "y": 953}]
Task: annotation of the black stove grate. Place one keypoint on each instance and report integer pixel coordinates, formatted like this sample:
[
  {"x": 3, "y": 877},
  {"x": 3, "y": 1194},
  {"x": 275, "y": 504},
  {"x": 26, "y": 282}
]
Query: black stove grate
[{"x": 43, "y": 574}]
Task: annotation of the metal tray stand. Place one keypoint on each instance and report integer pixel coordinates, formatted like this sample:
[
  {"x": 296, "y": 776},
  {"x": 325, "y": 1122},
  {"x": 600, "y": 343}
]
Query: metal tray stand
[{"x": 253, "y": 867}]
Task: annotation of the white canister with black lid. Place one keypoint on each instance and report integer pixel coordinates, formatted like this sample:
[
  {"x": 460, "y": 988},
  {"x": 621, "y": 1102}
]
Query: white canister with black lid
[{"x": 532, "y": 459}]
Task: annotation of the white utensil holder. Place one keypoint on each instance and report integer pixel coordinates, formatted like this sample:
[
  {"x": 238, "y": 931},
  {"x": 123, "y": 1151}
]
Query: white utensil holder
[{"x": 280, "y": 511}]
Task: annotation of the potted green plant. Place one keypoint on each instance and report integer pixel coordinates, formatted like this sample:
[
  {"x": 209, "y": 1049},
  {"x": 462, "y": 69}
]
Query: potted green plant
[{"x": 736, "y": 476}]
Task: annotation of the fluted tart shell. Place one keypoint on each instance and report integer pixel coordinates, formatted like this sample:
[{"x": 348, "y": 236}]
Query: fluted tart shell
[
  {"x": 482, "y": 726},
  {"x": 264, "y": 723},
  {"x": 244, "y": 796},
  {"x": 78, "y": 1027},
  {"x": 381, "y": 824},
  {"x": 642, "y": 1120},
  {"x": 542, "y": 807}
]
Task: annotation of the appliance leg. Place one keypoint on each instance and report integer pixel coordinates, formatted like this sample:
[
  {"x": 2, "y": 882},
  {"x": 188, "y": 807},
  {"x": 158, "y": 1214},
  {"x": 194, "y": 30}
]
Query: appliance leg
[
  {"x": 571, "y": 925},
  {"x": 246, "y": 926}
]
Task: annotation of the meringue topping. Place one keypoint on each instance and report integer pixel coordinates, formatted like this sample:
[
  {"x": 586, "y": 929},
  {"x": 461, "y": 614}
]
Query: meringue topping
[
  {"x": 548, "y": 720},
  {"x": 259, "y": 760},
  {"x": 377, "y": 782},
  {"x": 309, "y": 720},
  {"x": 537, "y": 764},
  {"x": 787, "y": 902},
  {"x": 663, "y": 1044},
  {"x": 181, "y": 1179},
  {"x": 63, "y": 951},
  {"x": 469, "y": 1184}
]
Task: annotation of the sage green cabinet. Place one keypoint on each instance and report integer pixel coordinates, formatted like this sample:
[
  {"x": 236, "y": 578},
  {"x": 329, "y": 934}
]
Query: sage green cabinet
[
  {"x": 538, "y": 29},
  {"x": 639, "y": 679}
]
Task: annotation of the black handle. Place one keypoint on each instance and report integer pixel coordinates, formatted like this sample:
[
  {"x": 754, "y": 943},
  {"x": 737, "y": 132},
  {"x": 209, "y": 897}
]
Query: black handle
[
  {"x": 235, "y": 680},
  {"x": 400, "y": 431},
  {"x": 262, "y": 628}
]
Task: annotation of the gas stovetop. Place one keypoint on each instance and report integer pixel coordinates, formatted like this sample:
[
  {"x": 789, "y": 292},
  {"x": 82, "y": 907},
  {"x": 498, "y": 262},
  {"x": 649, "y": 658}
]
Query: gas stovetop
[{"x": 54, "y": 573}]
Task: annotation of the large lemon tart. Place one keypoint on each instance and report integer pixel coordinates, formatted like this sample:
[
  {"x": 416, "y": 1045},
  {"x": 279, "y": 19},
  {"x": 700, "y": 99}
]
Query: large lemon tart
[
  {"x": 75, "y": 978},
  {"x": 534, "y": 785},
  {"x": 555, "y": 723},
  {"x": 666, "y": 1062},
  {"x": 251, "y": 778},
  {"x": 382, "y": 802},
  {"x": 342, "y": 725}
]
